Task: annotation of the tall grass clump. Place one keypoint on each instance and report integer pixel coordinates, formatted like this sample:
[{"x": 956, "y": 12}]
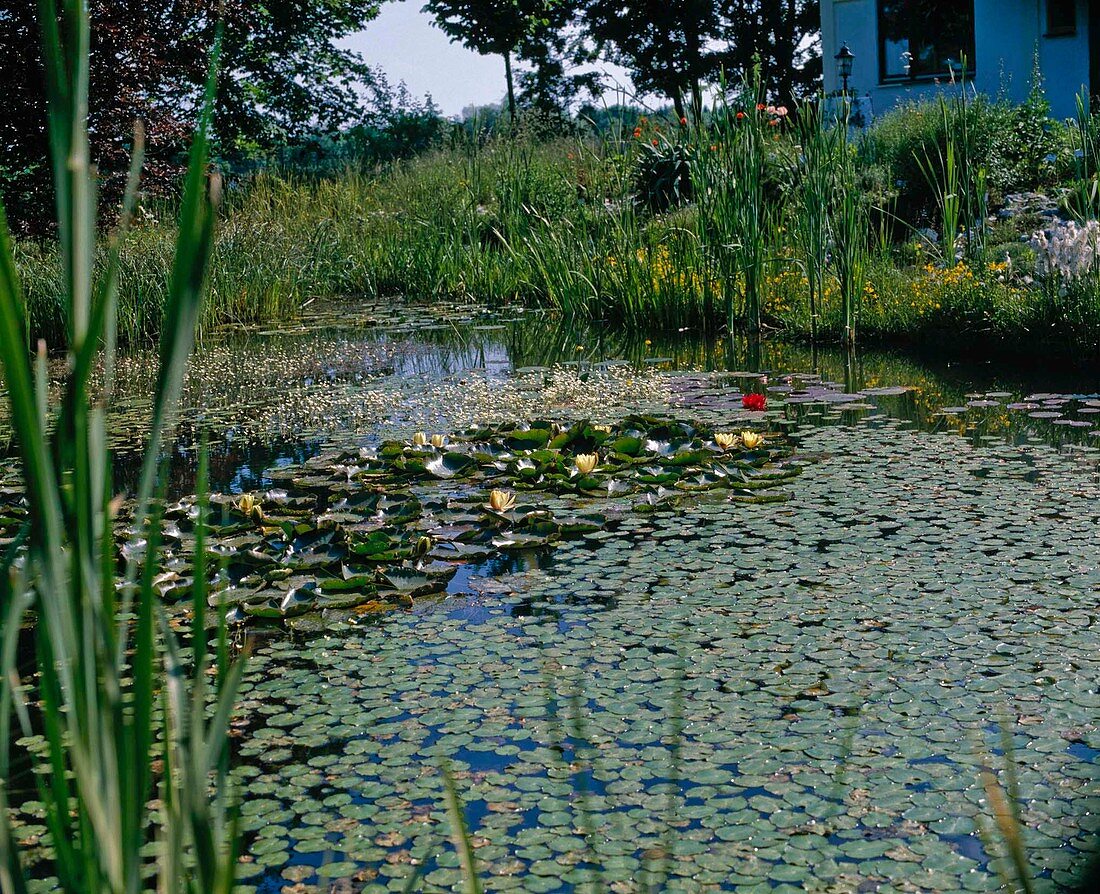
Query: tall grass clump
[
  {"x": 113, "y": 693},
  {"x": 958, "y": 179},
  {"x": 851, "y": 233},
  {"x": 820, "y": 157},
  {"x": 1083, "y": 200},
  {"x": 737, "y": 220}
]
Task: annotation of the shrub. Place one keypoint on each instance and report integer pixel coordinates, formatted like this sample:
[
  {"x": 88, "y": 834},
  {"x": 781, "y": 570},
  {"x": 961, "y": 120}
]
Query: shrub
[
  {"x": 662, "y": 179},
  {"x": 1020, "y": 146}
]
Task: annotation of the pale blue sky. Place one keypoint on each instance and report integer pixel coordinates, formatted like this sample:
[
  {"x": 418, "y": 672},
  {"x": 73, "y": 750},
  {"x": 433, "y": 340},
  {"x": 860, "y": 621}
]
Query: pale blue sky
[{"x": 403, "y": 41}]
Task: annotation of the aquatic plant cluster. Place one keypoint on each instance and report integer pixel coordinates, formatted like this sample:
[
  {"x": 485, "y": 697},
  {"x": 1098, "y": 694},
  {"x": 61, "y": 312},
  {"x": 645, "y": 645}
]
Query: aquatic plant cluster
[
  {"x": 800, "y": 698},
  {"x": 358, "y": 533}
]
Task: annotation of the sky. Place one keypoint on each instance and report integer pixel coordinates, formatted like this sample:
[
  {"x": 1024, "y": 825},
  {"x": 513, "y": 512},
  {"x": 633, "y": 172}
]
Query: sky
[{"x": 403, "y": 41}]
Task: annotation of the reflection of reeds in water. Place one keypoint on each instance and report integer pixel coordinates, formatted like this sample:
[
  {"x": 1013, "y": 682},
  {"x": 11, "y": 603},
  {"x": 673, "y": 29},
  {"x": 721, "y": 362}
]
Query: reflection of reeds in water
[{"x": 113, "y": 691}]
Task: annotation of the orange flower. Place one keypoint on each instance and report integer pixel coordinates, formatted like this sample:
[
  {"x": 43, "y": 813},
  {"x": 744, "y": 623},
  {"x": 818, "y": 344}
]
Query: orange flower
[
  {"x": 637, "y": 132},
  {"x": 654, "y": 141},
  {"x": 760, "y": 107},
  {"x": 713, "y": 148},
  {"x": 774, "y": 122},
  {"x": 740, "y": 115}
]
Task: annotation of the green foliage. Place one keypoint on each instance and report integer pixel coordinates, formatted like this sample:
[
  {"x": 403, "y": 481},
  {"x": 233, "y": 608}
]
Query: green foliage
[
  {"x": 531, "y": 28},
  {"x": 286, "y": 77},
  {"x": 663, "y": 176},
  {"x": 110, "y": 673},
  {"x": 1017, "y": 144}
]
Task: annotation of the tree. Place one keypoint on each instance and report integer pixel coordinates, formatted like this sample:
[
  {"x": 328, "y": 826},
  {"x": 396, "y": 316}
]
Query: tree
[
  {"x": 281, "y": 75},
  {"x": 783, "y": 35},
  {"x": 549, "y": 84},
  {"x": 668, "y": 47},
  {"x": 675, "y": 47},
  {"x": 502, "y": 28}
]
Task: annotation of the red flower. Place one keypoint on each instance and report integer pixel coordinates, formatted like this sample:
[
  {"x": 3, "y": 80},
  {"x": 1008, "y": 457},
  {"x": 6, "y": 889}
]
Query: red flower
[
  {"x": 754, "y": 402},
  {"x": 637, "y": 132},
  {"x": 760, "y": 107},
  {"x": 740, "y": 115},
  {"x": 683, "y": 122},
  {"x": 654, "y": 142}
]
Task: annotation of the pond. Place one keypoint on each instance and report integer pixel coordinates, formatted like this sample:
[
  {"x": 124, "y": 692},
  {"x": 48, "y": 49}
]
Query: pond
[{"x": 790, "y": 689}]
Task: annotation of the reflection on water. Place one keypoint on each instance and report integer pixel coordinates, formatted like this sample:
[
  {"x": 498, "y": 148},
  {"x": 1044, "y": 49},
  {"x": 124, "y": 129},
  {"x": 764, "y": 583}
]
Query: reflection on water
[{"x": 276, "y": 397}]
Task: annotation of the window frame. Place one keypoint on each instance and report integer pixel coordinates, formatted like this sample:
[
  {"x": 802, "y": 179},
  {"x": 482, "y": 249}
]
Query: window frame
[
  {"x": 1060, "y": 30},
  {"x": 887, "y": 80}
]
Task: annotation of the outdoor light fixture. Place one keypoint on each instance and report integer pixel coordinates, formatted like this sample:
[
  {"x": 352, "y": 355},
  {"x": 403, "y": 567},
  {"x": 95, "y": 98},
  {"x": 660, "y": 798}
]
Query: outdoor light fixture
[{"x": 844, "y": 60}]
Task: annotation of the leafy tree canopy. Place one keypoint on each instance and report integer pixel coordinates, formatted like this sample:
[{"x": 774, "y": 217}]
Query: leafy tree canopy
[{"x": 282, "y": 75}]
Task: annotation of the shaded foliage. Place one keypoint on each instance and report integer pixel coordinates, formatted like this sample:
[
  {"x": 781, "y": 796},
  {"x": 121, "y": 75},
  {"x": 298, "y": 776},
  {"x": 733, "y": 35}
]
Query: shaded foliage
[{"x": 284, "y": 76}]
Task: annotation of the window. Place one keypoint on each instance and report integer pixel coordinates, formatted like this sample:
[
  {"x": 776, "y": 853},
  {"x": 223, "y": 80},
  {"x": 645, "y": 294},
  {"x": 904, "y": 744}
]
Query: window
[
  {"x": 1061, "y": 17},
  {"x": 925, "y": 38}
]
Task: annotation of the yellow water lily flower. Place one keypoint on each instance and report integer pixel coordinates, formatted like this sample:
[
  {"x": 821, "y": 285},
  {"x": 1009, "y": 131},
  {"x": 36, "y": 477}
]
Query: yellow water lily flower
[
  {"x": 250, "y": 506},
  {"x": 586, "y": 462},
  {"x": 726, "y": 440},
  {"x": 437, "y": 441},
  {"x": 502, "y": 501},
  {"x": 752, "y": 439},
  {"x": 606, "y": 429},
  {"x": 420, "y": 439}
]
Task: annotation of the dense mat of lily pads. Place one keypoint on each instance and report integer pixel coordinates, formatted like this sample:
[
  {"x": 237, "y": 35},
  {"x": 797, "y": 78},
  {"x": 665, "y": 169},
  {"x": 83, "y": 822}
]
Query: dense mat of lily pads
[
  {"x": 639, "y": 682},
  {"x": 358, "y": 532},
  {"x": 797, "y": 697}
]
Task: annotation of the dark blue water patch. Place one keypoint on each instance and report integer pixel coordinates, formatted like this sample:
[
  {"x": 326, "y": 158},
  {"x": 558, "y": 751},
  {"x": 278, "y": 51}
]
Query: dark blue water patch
[
  {"x": 931, "y": 759},
  {"x": 1081, "y": 751},
  {"x": 969, "y": 846}
]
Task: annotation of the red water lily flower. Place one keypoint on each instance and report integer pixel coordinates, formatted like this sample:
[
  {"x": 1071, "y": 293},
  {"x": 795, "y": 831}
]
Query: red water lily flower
[{"x": 754, "y": 402}]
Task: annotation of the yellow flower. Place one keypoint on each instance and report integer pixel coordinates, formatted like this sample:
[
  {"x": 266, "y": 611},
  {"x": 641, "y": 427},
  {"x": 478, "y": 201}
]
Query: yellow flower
[
  {"x": 501, "y": 501},
  {"x": 726, "y": 440},
  {"x": 437, "y": 441},
  {"x": 250, "y": 506},
  {"x": 751, "y": 439},
  {"x": 420, "y": 439},
  {"x": 586, "y": 462}
]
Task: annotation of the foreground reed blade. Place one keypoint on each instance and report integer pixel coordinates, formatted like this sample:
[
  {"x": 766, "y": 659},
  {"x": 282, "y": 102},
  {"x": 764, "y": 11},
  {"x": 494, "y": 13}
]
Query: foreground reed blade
[{"x": 112, "y": 689}]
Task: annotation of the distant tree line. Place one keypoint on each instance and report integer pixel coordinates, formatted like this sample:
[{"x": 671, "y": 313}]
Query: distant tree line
[
  {"x": 289, "y": 91},
  {"x": 672, "y": 48}
]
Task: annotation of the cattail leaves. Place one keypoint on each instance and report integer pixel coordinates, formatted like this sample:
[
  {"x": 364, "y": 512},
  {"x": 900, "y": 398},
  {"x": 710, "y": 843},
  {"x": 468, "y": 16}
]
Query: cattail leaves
[{"x": 101, "y": 672}]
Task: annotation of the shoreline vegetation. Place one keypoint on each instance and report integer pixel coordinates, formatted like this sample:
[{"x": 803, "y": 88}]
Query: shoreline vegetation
[{"x": 760, "y": 219}]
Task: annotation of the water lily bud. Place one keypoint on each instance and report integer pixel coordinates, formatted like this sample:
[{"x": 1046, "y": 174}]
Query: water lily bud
[
  {"x": 586, "y": 462},
  {"x": 501, "y": 501},
  {"x": 420, "y": 439},
  {"x": 437, "y": 441},
  {"x": 423, "y": 545}
]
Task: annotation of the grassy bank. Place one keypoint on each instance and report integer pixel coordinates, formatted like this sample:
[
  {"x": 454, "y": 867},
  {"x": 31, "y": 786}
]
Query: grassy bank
[{"x": 753, "y": 220}]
